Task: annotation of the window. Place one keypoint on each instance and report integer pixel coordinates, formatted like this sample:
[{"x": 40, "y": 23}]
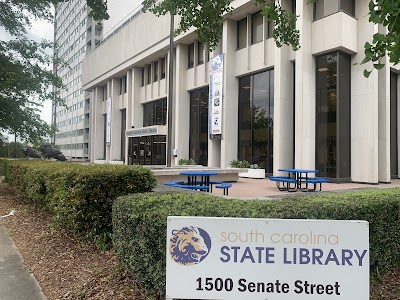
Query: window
[
  {"x": 190, "y": 56},
  {"x": 148, "y": 74},
  {"x": 332, "y": 157},
  {"x": 143, "y": 72},
  {"x": 162, "y": 68},
  {"x": 155, "y": 71},
  {"x": 242, "y": 34},
  {"x": 270, "y": 28},
  {"x": 323, "y": 8},
  {"x": 256, "y": 28},
  {"x": 155, "y": 113},
  {"x": 200, "y": 53},
  {"x": 256, "y": 119}
]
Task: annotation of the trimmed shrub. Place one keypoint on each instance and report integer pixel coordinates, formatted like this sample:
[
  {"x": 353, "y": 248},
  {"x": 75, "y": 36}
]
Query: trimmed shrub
[
  {"x": 140, "y": 223},
  {"x": 79, "y": 196}
]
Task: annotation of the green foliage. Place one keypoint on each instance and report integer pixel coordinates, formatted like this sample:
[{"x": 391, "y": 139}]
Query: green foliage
[
  {"x": 186, "y": 162},
  {"x": 285, "y": 32},
  {"x": 384, "y": 12},
  {"x": 140, "y": 223},
  {"x": 79, "y": 196},
  {"x": 236, "y": 163},
  {"x": 25, "y": 73},
  {"x": 205, "y": 15}
]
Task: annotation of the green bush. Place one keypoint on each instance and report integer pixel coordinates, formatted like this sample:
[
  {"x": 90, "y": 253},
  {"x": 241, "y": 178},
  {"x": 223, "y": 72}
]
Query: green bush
[
  {"x": 186, "y": 162},
  {"x": 140, "y": 223},
  {"x": 239, "y": 164},
  {"x": 79, "y": 196}
]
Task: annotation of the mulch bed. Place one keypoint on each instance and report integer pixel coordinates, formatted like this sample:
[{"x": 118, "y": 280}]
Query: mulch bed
[{"x": 65, "y": 266}]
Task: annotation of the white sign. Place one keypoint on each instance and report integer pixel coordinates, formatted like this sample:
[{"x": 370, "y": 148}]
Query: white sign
[
  {"x": 108, "y": 120},
  {"x": 145, "y": 131},
  {"x": 224, "y": 258},
  {"x": 215, "y": 102}
]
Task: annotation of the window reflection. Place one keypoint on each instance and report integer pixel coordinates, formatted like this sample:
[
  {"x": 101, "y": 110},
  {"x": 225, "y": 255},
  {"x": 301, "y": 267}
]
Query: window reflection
[
  {"x": 256, "y": 109},
  {"x": 333, "y": 134},
  {"x": 198, "y": 140}
]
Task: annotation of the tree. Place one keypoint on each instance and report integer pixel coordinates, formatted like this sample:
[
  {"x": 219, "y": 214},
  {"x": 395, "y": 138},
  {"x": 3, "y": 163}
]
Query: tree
[
  {"x": 207, "y": 16},
  {"x": 25, "y": 77}
]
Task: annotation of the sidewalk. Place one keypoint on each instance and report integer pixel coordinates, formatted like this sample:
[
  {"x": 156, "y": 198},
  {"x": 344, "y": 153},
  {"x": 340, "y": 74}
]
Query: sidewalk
[{"x": 16, "y": 283}]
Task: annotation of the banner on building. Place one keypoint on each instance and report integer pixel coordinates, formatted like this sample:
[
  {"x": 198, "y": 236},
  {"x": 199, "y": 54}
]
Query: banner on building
[
  {"x": 108, "y": 120},
  {"x": 215, "y": 96},
  {"x": 234, "y": 258}
]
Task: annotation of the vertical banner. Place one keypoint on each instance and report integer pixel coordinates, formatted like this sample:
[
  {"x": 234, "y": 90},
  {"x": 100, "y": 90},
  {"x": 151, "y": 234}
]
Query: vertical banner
[
  {"x": 108, "y": 120},
  {"x": 215, "y": 104}
]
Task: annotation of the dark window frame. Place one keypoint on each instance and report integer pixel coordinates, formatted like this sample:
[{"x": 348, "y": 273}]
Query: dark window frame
[
  {"x": 339, "y": 9},
  {"x": 253, "y": 16},
  {"x": 155, "y": 68},
  {"x": 200, "y": 53},
  {"x": 191, "y": 56},
  {"x": 238, "y": 41},
  {"x": 162, "y": 71}
]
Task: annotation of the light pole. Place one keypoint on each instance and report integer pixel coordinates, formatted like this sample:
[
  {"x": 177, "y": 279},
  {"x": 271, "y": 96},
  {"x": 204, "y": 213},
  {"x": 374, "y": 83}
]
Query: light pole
[{"x": 170, "y": 90}]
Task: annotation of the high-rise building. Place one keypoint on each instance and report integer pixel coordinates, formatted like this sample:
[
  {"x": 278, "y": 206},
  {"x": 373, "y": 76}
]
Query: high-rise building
[{"x": 76, "y": 34}]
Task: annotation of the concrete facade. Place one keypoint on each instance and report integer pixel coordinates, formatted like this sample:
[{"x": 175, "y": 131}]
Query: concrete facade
[{"x": 145, "y": 41}]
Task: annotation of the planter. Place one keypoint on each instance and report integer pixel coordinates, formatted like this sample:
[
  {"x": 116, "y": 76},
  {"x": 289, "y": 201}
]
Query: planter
[
  {"x": 253, "y": 173},
  {"x": 116, "y": 162},
  {"x": 99, "y": 161}
]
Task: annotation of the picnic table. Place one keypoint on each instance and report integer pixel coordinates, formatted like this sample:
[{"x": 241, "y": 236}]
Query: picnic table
[
  {"x": 300, "y": 178},
  {"x": 204, "y": 177}
]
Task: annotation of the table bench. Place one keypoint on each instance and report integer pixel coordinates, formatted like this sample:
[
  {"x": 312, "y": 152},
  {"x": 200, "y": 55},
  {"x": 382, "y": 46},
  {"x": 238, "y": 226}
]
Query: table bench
[
  {"x": 315, "y": 181},
  {"x": 171, "y": 183},
  {"x": 224, "y": 186},
  {"x": 192, "y": 187},
  {"x": 283, "y": 180}
]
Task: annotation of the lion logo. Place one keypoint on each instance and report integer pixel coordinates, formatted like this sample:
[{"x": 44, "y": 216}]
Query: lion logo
[{"x": 189, "y": 245}]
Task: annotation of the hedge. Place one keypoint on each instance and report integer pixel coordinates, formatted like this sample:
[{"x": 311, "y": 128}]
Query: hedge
[
  {"x": 79, "y": 196},
  {"x": 140, "y": 223}
]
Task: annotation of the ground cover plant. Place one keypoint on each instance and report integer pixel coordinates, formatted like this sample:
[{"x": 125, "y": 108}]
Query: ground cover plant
[{"x": 139, "y": 224}]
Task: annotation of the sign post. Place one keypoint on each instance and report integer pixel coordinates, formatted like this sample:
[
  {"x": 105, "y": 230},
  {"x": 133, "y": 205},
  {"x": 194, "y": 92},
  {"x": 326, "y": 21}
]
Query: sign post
[
  {"x": 225, "y": 258},
  {"x": 215, "y": 97}
]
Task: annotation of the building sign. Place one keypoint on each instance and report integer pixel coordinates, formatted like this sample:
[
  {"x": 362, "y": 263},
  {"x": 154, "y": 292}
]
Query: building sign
[
  {"x": 151, "y": 130},
  {"x": 225, "y": 258},
  {"x": 215, "y": 104},
  {"x": 108, "y": 120}
]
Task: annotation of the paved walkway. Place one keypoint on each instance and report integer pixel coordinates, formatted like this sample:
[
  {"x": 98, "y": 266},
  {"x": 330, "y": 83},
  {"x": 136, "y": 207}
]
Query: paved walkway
[
  {"x": 16, "y": 283},
  {"x": 247, "y": 188}
]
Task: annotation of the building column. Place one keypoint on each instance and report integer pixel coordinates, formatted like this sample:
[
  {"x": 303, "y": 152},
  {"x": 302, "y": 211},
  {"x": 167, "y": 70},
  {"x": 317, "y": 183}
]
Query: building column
[
  {"x": 115, "y": 147},
  {"x": 364, "y": 106},
  {"x": 97, "y": 125},
  {"x": 230, "y": 100},
  {"x": 305, "y": 90},
  {"x": 182, "y": 106},
  {"x": 384, "y": 120}
]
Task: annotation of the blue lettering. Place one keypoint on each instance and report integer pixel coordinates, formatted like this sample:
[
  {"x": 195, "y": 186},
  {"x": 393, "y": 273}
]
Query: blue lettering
[
  {"x": 269, "y": 256},
  {"x": 360, "y": 258},
  {"x": 247, "y": 254},
  {"x": 285, "y": 259},
  {"x": 346, "y": 257},
  {"x": 317, "y": 257},
  {"x": 332, "y": 257},
  {"x": 304, "y": 256},
  {"x": 235, "y": 252},
  {"x": 228, "y": 257}
]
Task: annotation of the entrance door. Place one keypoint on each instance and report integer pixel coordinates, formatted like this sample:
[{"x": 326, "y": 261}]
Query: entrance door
[{"x": 147, "y": 150}]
